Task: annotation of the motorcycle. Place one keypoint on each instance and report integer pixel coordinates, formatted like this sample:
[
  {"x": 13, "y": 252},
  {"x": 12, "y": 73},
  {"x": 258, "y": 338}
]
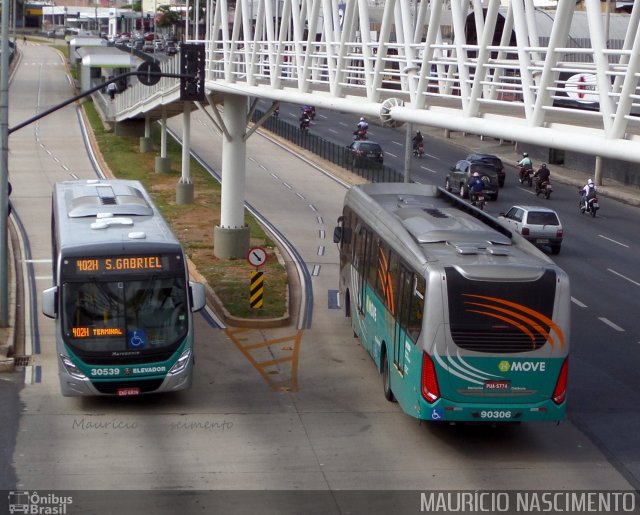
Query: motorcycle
[
  {"x": 360, "y": 134},
  {"x": 478, "y": 200},
  {"x": 304, "y": 125},
  {"x": 309, "y": 112},
  {"x": 525, "y": 175},
  {"x": 545, "y": 188},
  {"x": 418, "y": 150},
  {"x": 589, "y": 205}
]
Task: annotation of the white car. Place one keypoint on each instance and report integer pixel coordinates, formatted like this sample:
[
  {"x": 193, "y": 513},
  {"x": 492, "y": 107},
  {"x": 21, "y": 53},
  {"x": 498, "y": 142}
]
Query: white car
[{"x": 539, "y": 225}]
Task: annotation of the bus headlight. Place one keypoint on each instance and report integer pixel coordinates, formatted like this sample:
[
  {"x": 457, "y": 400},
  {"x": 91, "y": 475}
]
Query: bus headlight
[
  {"x": 71, "y": 369},
  {"x": 181, "y": 364}
]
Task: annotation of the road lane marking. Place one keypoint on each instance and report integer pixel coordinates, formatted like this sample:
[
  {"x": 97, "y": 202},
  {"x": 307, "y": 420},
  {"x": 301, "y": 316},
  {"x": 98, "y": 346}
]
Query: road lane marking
[
  {"x": 432, "y": 156},
  {"x": 611, "y": 324},
  {"x": 397, "y": 143},
  {"x": 578, "y": 303},
  {"x": 427, "y": 169},
  {"x": 613, "y": 241},
  {"x": 392, "y": 155},
  {"x": 623, "y": 276}
]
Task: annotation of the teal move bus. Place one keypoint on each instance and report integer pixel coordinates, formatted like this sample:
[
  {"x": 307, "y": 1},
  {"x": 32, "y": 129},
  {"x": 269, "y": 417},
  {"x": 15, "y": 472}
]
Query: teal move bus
[
  {"x": 121, "y": 294},
  {"x": 465, "y": 320}
]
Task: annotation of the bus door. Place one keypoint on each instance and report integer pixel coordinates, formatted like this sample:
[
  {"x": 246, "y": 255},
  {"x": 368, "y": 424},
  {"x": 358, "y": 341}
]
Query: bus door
[
  {"x": 403, "y": 306},
  {"x": 410, "y": 305},
  {"x": 361, "y": 262}
]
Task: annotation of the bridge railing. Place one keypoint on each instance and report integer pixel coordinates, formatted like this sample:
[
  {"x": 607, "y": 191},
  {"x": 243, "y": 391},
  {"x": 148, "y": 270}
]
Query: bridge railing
[{"x": 423, "y": 76}]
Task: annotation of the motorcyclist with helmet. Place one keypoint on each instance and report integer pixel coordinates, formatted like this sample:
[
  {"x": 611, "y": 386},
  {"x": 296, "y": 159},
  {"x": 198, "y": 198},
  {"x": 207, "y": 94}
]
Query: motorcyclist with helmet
[
  {"x": 525, "y": 166},
  {"x": 361, "y": 129},
  {"x": 417, "y": 142},
  {"x": 476, "y": 187},
  {"x": 587, "y": 192},
  {"x": 542, "y": 175}
]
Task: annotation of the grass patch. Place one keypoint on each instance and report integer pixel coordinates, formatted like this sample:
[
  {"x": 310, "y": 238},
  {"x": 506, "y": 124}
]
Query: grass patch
[{"x": 193, "y": 224}]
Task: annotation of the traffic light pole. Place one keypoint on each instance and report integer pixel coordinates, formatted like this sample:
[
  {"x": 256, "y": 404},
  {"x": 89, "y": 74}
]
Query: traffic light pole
[{"x": 4, "y": 165}]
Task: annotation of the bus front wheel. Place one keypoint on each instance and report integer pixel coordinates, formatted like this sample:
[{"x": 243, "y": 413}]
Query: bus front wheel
[{"x": 386, "y": 379}]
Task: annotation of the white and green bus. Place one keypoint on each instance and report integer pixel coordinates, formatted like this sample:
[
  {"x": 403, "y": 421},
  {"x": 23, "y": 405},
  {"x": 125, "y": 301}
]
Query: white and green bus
[
  {"x": 465, "y": 320},
  {"x": 121, "y": 293}
]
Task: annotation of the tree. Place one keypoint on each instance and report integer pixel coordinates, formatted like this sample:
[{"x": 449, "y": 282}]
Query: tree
[{"x": 165, "y": 17}]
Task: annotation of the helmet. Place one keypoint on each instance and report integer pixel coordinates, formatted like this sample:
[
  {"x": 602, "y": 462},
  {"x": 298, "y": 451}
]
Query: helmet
[
  {"x": 362, "y": 118},
  {"x": 476, "y": 174},
  {"x": 524, "y": 154},
  {"x": 589, "y": 181},
  {"x": 418, "y": 132},
  {"x": 544, "y": 165}
]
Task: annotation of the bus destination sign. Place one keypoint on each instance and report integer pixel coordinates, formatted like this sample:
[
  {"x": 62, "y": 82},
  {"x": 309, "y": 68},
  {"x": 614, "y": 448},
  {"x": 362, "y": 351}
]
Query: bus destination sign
[{"x": 106, "y": 265}]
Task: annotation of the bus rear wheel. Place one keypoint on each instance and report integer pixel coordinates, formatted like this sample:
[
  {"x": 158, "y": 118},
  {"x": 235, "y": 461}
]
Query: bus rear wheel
[{"x": 386, "y": 379}]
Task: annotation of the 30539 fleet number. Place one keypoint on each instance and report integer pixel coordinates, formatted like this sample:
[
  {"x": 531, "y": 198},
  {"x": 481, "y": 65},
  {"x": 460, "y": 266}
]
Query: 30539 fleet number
[{"x": 105, "y": 371}]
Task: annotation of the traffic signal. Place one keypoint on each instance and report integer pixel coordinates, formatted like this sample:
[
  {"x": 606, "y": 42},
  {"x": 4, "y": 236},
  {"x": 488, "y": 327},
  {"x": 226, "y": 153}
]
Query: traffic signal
[{"x": 192, "y": 68}]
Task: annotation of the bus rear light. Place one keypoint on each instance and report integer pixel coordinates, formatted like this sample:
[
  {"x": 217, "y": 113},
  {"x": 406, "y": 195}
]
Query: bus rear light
[
  {"x": 560, "y": 391},
  {"x": 429, "y": 387},
  {"x": 525, "y": 231}
]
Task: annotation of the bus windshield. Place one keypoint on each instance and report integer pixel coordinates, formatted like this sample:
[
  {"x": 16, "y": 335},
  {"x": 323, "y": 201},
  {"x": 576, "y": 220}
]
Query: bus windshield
[{"x": 117, "y": 316}]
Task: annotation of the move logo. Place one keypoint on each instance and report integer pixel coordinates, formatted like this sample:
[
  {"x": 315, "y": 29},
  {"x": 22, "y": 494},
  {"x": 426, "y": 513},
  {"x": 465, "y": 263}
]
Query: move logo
[{"x": 522, "y": 366}]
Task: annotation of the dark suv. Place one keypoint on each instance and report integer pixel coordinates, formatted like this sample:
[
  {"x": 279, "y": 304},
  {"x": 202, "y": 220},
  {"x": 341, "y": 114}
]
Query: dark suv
[
  {"x": 459, "y": 176},
  {"x": 491, "y": 160},
  {"x": 365, "y": 152}
]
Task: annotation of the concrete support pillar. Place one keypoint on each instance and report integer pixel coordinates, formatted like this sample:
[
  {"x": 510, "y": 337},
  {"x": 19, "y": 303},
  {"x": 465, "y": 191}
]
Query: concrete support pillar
[
  {"x": 184, "y": 189},
  {"x": 146, "y": 145},
  {"x": 231, "y": 238},
  {"x": 163, "y": 164},
  {"x": 597, "y": 172}
]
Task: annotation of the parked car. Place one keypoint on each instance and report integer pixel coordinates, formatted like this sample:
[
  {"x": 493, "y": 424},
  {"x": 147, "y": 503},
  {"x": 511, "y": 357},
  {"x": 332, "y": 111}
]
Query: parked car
[
  {"x": 365, "y": 152},
  {"x": 459, "y": 176},
  {"x": 492, "y": 160},
  {"x": 540, "y": 225}
]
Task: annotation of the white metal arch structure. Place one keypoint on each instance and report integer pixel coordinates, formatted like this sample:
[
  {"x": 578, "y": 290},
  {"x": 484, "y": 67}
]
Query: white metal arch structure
[{"x": 462, "y": 65}]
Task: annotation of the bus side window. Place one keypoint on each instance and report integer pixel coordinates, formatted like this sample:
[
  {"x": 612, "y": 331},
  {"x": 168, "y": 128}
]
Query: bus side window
[{"x": 413, "y": 304}]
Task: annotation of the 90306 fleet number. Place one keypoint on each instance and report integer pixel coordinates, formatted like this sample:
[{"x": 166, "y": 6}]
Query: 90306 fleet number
[{"x": 495, "y": 414}]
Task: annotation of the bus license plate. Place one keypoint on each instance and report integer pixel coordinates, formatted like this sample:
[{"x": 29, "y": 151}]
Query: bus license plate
[
  {"x": 124, "y": 392},
  {"x": 497, "y": 386}
]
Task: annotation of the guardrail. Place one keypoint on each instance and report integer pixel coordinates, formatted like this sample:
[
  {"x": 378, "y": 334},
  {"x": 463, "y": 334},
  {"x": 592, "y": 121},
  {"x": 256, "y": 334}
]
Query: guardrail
[{"x": 337, "y": 154}]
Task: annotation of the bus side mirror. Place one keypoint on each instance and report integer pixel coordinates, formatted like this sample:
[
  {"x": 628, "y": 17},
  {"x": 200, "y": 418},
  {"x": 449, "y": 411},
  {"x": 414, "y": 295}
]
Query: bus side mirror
[
  {"x": 337, "y": 234},
  {"x": 49, "y": 297},
  {"x": 198, "y": 299}
]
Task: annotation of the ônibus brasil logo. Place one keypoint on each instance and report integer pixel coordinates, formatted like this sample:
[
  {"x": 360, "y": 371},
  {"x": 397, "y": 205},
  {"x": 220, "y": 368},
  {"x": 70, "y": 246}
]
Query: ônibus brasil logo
[{"x": 23, "y": 501}]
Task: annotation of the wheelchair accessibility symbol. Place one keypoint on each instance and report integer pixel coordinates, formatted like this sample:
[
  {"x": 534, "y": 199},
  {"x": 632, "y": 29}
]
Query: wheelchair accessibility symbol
[
  {"x": 437, "y": 414},
  {"x": 137, "y": 339}
]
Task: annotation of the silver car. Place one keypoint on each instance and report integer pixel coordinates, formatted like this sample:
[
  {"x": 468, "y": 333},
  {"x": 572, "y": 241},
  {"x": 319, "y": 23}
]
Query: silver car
[{"x": 540, "y": 225}]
